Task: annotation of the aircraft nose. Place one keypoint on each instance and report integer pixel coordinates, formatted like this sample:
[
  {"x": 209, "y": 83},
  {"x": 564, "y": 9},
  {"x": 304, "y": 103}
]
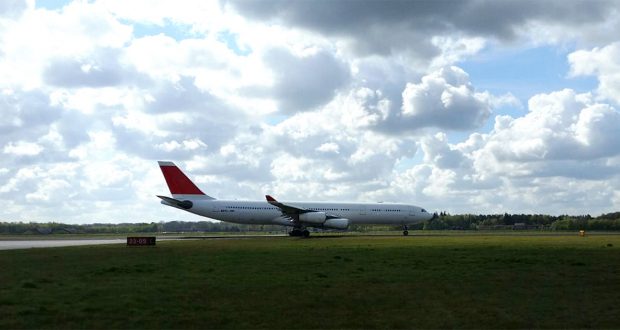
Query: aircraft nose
[
  {"x": 432, "y": 216},
  {"x": 425, "y": 215}
]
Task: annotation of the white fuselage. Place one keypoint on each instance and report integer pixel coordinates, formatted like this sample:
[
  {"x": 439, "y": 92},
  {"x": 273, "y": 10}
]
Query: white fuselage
[{"x": 261, "y": 212}]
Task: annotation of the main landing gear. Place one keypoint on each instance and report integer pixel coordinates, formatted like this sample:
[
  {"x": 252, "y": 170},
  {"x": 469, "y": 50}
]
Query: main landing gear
[
  {"x": 405, "y": 231},
  {"x": 298, "y": 232}
]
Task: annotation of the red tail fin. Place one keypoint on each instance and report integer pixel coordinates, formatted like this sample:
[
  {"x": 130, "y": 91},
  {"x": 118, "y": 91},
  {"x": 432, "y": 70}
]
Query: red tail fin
[{"x": 178, "y": 182}]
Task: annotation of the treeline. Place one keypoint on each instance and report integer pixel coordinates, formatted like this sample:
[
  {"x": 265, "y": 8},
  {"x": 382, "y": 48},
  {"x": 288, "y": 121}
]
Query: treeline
[
  {"x": 444, "y": 221},
  {"x": 33, "y": 228}
]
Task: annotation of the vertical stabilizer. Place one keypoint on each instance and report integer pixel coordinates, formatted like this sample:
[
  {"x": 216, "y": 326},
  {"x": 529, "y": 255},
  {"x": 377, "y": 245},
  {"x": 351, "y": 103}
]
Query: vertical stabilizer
[{"x": 181, "y": 187}]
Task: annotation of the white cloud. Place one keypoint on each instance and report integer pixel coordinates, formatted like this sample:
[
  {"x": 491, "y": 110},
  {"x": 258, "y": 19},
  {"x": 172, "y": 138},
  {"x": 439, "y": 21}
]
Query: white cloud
[
  {"x": 566, "y": 148},
  {"x": 22, "y": 148},
  {"x": 328, "y": 147},
  {"x": 48, "y": 189},
  {"x": 455, "y": 49},
  {"x": 445, "y": 99},
  {"x": 438, "y": 152},
  {"x": 191, "y": 145},
  {"x": 196, "y": 15},
  {"x": 39, "y": 35},
  {"x": 604, "y": 63},
  {"x": 560, "y": 125},
  {"x": 161, "y": 56},
  {"x": 420, "y": 29},
  {"x": 303, "y": 83},
  {"x": 364, "y": 106}
]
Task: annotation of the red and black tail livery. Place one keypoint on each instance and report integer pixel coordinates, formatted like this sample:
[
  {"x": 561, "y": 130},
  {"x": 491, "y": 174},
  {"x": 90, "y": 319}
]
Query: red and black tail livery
[{"x": 178, "y": 183}]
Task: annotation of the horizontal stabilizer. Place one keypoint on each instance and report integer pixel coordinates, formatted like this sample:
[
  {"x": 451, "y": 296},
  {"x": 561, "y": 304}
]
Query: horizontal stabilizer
[{"x": 185, "y": 205}]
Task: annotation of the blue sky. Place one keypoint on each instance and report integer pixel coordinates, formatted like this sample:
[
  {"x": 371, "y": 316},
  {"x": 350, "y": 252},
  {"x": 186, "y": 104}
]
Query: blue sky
[
  {"x": 524, "y": 72},
  {"x": 458, "y": 106}
]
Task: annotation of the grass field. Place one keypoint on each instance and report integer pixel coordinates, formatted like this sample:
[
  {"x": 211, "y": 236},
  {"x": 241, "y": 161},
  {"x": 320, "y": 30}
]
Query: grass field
[{"x": 331, "y": 282}]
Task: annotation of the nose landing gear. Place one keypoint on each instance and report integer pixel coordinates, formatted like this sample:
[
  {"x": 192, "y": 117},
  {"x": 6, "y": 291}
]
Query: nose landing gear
[{"x": 405, "y": 231}]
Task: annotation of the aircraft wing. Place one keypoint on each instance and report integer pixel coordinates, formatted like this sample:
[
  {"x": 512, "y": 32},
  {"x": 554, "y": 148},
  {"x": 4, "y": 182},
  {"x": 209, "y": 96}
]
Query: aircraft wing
[
  {"x": 288, "y": 210},
  {"x": 293, "y": 212}
]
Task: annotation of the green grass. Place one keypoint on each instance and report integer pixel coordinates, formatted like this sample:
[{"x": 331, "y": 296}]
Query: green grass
[{"x": 330, "y": 282}]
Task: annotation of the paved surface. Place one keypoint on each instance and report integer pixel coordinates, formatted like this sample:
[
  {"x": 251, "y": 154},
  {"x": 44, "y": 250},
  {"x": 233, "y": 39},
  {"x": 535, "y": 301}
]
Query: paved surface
[
  {"x": 30, "y": 244},
  {"x": 13, "y": 245},
  {"x": 47, "y": 243},
  {"x": 174, "y": 238}
]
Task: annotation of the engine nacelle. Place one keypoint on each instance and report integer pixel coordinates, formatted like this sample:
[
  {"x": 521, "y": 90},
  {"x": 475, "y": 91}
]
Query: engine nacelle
[
  {"x": 337, "y": 223},
  {"x": 186, "y": 205},
  {"x": 312, "y": 217}
]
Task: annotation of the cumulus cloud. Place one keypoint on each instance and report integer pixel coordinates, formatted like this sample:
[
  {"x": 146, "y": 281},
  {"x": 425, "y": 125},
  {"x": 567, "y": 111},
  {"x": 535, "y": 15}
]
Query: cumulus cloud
[
  {"x": 182, "y": 96},
  {"x": 328, "y": 147},
  {"x": 374, "y": 28},
  {"x": 306, "y": 100},
  {"x": 560, "y": 125},
  {"x": 26, "y": 114},
  {"x": 444, "y": 99},
  {"x": 42, "y": 35},
  {"x": 604, "y": 63},
  {"x": 191, "y": 145},
  {"x": 564, "y": 149},
  {"x": 12, "y": 8},
  {"x": 22, "y": 148},
  {"x": 161, "y": 56},
  {"x": 100, "y": 69},
  {"x": 438, "y": 152},
  {"x": 307, "y": 81}
]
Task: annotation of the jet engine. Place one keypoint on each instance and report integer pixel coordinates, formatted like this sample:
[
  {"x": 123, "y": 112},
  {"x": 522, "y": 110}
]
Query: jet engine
[
  {"x": 312, "y": 217},
  {"x": 336, "y": 223},
  {"x": 185, "y": 204}
]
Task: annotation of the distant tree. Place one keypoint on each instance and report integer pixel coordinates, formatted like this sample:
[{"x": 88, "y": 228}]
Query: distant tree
[{"x": 435, "y": 224}]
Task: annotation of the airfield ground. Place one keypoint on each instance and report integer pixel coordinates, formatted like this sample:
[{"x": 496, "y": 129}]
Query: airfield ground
[{"x": 449, "y": 281}]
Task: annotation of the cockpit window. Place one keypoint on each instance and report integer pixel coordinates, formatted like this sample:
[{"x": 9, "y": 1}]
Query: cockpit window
[{"x": 423, "y": 210}]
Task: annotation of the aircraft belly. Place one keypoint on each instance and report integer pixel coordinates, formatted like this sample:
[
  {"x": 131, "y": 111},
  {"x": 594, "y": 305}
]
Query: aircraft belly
[
  {"x": 245, "y": 217},
  {"x": 379, "y": 220}
]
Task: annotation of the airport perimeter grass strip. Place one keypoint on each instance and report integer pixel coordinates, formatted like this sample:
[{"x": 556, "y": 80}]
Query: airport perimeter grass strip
[{"x": 323, "y": 282}]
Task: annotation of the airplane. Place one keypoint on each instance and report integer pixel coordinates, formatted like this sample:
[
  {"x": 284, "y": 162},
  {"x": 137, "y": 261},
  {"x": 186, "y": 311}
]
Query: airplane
[{"x": 298, "y": 215}]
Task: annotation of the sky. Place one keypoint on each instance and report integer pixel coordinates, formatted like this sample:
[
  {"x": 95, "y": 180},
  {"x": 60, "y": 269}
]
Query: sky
[{"x": 464, "y": 106}]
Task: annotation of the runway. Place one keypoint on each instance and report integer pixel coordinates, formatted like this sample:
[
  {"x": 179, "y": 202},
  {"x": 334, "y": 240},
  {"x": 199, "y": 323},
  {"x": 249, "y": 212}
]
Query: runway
[
  {"x": 49, "y": 243},
  {"x": 33, "y": 244}
]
